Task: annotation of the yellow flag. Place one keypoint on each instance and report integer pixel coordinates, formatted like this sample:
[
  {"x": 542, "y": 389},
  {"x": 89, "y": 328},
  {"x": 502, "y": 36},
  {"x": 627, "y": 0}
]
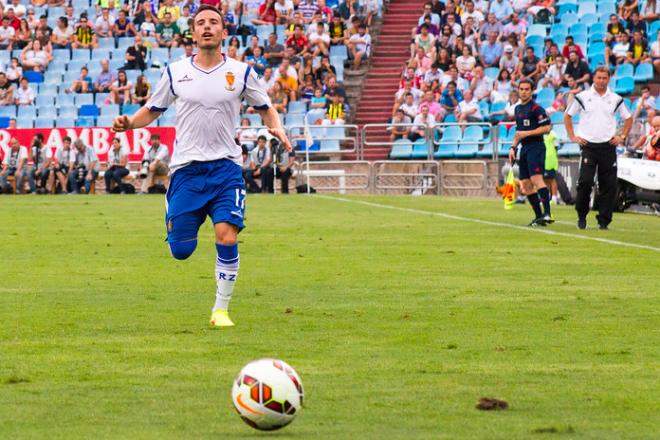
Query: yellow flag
[{"x": 509, "y": 190}]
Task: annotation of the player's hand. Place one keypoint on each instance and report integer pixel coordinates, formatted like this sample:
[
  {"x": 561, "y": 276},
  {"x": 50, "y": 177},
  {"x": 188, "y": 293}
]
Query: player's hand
[
  {"x": 512, "y": 154},
  {"x": 616, "y": 140},
  {"x": 280, "y": 134},
  {"x": 578, "y": 140},
  {"x": 121, "y": 123}
]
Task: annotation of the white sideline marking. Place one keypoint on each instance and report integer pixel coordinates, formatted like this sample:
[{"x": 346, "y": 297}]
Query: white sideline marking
[{"x": 492, "y": 223}]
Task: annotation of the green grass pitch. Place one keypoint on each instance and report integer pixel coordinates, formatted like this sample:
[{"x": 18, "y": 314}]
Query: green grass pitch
[{"x": 397, "y": 321}]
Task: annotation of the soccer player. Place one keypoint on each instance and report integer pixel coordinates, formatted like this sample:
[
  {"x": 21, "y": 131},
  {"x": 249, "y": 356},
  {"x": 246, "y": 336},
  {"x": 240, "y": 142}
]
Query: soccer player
[
  {"x": 206, "y": 176},
  {"x": 531, "y": 124}
]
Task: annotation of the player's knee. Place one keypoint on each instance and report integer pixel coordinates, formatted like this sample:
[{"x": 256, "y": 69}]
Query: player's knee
[
  {"x": 228, "y": 239},
  {"x": 183, "y": 249}
]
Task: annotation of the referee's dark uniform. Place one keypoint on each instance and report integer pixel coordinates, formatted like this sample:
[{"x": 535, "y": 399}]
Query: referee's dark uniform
[{"x": 597, "y": 126}]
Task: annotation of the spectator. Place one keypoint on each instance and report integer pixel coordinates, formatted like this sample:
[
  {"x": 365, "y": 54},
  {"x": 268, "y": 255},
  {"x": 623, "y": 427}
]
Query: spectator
[
  {"x": 24, "y": 95},
  {"x": 319, "y": 100},
  {"x": 307, "y": 10},
  {"x": 12, "y": 124},
  {"x": 569, "y": 44},
  {"x": 509, "y": 61},
  {"x": 167, "y": 32},
  {"x": 284, "y": 162},
  {"x": 32, "y": 20},
  {"x": 638, "y": 50},
  {"x": 283, "y": 11},
  {"x": 651, "y": 11},
  {"x": 655, "y": 54},
  {"x": 578, "y": 70},
  {"x": 254, "y": 42},
  {"x": 13, "y": 20},
  {"x": 168, "y": 8},
  {"x": 230, "y": 18},
  {"x": 22, "y": 36},
  {"x": 82, "y": 85},
  {"x": 142, "y": 91},
  {"x": 116, "y": 168},
  {"x": 268, "y": 78},
  {"x": 529, "y": 67},
  {"x": 419, "y": 65},
  {"x": 490, "y": 52},
  {"x": 148, "y": 26},
  {"x": 14, "y": 164},
  {"x": 274, "y": 52},
  {"x": 261, "y": 156},
  {"x": 143, "y": 10},
  {"x": 120, "y": 90},
  {"x": 465, "y": 63},
  {"x": 422, "y": 121},
  {"x": 155, "y": 162},
  {"x": 267, "y": 14},
  {"x": 360, "y": 46},
  {"x": 336, "y": 112},
  {"x": 614, "y": 29},
  {"x": 451, "y": 97},
  {"x": 618, "y": 53},
  {"x": 492, "y": 25},
  {"x": 182, "y": 21},
  {"x": 136, "y": 55},
  {"x": 257, "y": 61},
  {"x": 554, "y": 76},
  {"x": 248, "y": 171},
  {"x": 6, "y": 90},
  {"x": 7, "y": 35},
  {"x": 428, "y": 99},
  {"x": 324, "y": 71},
  {"x": 123, "y": 27},
  {"x": 62, "y": 162},
  {"x": 635, "y": 24},
  {"x": 85, "y": 168},
  {"x": 501, "y": 9},
  {"x": 62, "y": 37},
  {"x": 17, "y": 7},
  {"x": 104, "y": 24},
  {"x": 515, "y": 26},
  {"x": 399, "y": 126},
  {"x": 41, "y": 156},
  {"x": 104, "y": 79},
  {"x": 246, "y": 134},
  {"x": 338, "y": 31},
  {"x": 502, "y": 87},
  {"x": 84, "y": 37},
  {"x": 14, "y": 71},
  {"x": 433, "y": 74},
  {"x": 626, "y": 8},
  {"x": 481, "y": 85},
  {"x": 34, "y": 57},
  {"x": 289, "y": 83},
  {"x": 407, "y": 105},
  {"x": 468, "y": 109},
  {"x": 319, "y": 41},
  {"x": 278, "y": 97},
  {"x": 298, "y": 41},
  {"x": 332, "y": 88},
  {"x": 424, "y": 40},
  {"x": 471, "y": 12},
  {"x": 461, "y": 84}
]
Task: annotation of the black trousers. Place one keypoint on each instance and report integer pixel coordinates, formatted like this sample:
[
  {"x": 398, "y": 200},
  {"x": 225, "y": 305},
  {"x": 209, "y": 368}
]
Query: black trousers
[
  {"x": 597, "y": 159},
  {"x": 114, "y": 174},
  {"x": 267, "y": 176},
  {"x": 284, "y": 177}
]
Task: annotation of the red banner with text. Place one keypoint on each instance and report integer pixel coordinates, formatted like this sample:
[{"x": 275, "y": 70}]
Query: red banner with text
[{"x": 99, "y": 138}]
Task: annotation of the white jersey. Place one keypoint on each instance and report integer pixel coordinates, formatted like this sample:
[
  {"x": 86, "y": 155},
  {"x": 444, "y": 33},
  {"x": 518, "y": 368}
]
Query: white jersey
[
  {"x": 115, "y": 157},
  {"x": 208, "y": 104}
]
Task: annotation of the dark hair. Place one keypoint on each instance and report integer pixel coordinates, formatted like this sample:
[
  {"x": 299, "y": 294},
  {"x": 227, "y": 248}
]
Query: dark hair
[
  {"x": 262, "y": 137},
  {"x": 499, "y": 77},
  {"x": 155, "y": 136},
  {"x": 603, "y": 69},
  {"x": 66, "y": 138},
  {"x": 451, "y": 83},
  {"x": 65, "y": 21},
  {"x": 526, "y": 81},
  {"x": 203, "y": 8}
]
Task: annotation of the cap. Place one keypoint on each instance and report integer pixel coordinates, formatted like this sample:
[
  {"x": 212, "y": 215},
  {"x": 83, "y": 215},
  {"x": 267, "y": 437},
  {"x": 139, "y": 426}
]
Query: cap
[{"x": 508, "y": 49}]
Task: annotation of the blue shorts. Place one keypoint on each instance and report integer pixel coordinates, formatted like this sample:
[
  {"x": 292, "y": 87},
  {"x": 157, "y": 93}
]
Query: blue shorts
[
  {"x": 214, "y": 188},
  {"x": 532, "y": 161},
  {"x": 549, "y": 174}
]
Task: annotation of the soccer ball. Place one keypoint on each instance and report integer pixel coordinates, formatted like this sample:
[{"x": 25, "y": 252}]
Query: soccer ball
[{"x": 267, "y": 394}]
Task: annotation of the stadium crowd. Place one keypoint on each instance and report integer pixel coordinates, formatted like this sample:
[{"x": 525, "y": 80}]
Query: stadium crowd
[
  {"x": 467, "y": 56},
  {"x": 81, "y": 63}
]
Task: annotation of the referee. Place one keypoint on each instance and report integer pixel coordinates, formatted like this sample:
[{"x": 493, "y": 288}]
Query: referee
[{"x": 598, "y": 140}]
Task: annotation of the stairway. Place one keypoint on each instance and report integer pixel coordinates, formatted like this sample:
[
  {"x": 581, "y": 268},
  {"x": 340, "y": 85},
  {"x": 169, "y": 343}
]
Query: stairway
[{"x": 391, "y": 52}]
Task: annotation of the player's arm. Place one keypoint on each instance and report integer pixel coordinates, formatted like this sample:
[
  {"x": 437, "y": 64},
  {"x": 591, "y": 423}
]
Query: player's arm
[
  {"x": 141, "y": 118},
  {"x": 272, "y": 120},
  {"x": 574, "y": 108},
  {"x": 161, "y": 99}
]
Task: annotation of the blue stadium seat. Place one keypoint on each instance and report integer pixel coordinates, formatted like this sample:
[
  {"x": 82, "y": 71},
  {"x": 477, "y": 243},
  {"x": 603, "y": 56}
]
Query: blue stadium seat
[
  {"x": 569, "y": 19},
  {"x": 33, "y": 77},
  {"x": 47, "y": 90},
  {"x": 124, "y": 43},
  {"x": 57, "y": 65},
  {"x": 452, "y": 134},
  {"x": 153, "y": 76},
  {"x": 545, "y": 94},
  {"x": 484, "y": 108},
  {"x": 624, "y": 69},
  {"x": 8, "y": 111},
  {"x": 80, "y": 4},
  {"x": 80, "y": 54},
  {"x": 118, "y": 54},
  {"x": 536, "y": 29},
  {"x": 420, "y": 149},
  {"x": 5, "y": 58},
  {"x": 559, "y": 28},
  {"x": 106, "y": 43},
  {"x": 85, "y": 122},
  {"x": 644, "y": 72},
  {"x": 505, "y": 139},
  {"x": 586, "y": 8},
  {"x": 297, "y": 107},
  {"x": 100, "y": 98},
  {"x": 66, "y": 122},
  {"x": 129, "y": 109},
  {"x": 46, "y": 105},
  {"x": 492, "y": 72},
  {"x": 596, "y": 47},
  {"x": 608, "y": 8},
  {"x": 160, "y": 54},
  {"x": 4, "y": 122},
  {"x": 176, "y": 53},
  {"x": 339, "y": 51},
  {"x": 254, "y": 118},
  {"x": 589, "y": 19},
  {"x": 104, "y": 121},
  {"x": 167, "y": 121},
  {"x": 597, "y": 28},
  {"x": 401, "y": 149},
  {"x": 578, "y": 28},
  {"x": 473, "y": 133},
  {"x": 596, "y": 60},
  {"x": 63, "y": 100},
  {"x": 23, "y": 122},
  {"x": 27, "y": 111},
  {"x": 497, "y": 107},
  {"x": 44, "y": 122},
  {"x": 314, "y": 114},
  {"x": 110, "y": 110},
  {"x": 329, "y": 145},
  {"x": 76, "y": 65},
  {"x": 566, "y": 9},
  {"x": 89, "y": 110},
  {"x": 132, "y": 75},
  {"x": 653, "y": 29},
  {"x": 535, "y": 40},
  {"x": 83, "y": 98},
  {"x": 61, "y": 54},
  {"x": 116, "y": 64},
  {"x": 292, "y": 119}
]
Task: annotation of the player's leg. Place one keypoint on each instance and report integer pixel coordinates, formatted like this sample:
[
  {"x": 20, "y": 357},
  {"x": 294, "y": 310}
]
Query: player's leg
[
  {"x": 584, "y": 185},
  {"x": 607, "y": 177},
  {"x": 524, "y": 174},
  {"x": 536, "y": 166}
]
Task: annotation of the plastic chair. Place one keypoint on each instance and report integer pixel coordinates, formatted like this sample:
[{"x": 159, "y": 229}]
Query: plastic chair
[
  {"x": 297, "y": 107},
  {"x": 578, "y": 28},
  {"x": 569, "y": 18},
  {"x": 89, "y": 110},
  {"x": 44, "y": 122},
  {"x": 586, "y": 8},
  {"x": 27, "y": 111},
  {"x": 85, "y": 122},
  {"x": 450, "y": 135},
  {"x": 624, "y": 85},
  {"x": 80, "y": 54},
  {"x": 83, "y": 98},
  {"x": 643, "y": 73},
  {"x": 104, "y": 121},
  {"x": 129, "y": 109},
  {"x": 420, "y": 149},
  {"x": 33, "y": 77},
  {"x": 589, "y": 19},
  {"x": 624, "y": 69},
  {"x": 401, "y": 149},
  {"x": 8, "y": 111},
  {"x": 46, "y": 110}
]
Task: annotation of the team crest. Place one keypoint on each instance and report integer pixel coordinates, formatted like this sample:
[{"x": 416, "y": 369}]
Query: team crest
[
  {"x": 526, "y": 122},
  {"x": 230, "y": 77}
]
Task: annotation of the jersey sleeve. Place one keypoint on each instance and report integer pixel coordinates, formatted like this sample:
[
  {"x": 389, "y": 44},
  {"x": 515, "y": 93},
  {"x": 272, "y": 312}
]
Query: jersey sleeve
[
  {"x": 254, "y": 91},
  {"x": 622, "y": 109},
  {"x": 163, "y": 95},
  {"x": 541, "y": 116},
  {"x": 575, "y": 107}
]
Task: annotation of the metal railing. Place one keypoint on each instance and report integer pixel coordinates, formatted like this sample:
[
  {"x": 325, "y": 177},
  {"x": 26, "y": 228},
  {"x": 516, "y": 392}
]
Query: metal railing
[{"x": 333, "y": 139}]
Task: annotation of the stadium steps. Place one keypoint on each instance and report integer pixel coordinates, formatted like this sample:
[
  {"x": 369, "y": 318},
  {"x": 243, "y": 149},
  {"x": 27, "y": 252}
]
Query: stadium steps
[{"x": 390, "y": 52}]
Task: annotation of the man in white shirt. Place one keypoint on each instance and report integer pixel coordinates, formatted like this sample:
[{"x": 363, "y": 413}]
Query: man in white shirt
[
  {"x": 555, "y": 74},
  {"x": 155, "y": 163},
  {"x": 7, "y": 34},
  {"x": 470, "y": 11},
  {"x": 207, "y": 177},
  {"x": 41, "y": 156},
  {"x": 14, "y": 164},
  {"x": 24, "y": 94},
  {"x": 116, "y": 168},
  {"x": 103, "y": 25},
  {"x": 423, "y": 120},
  {"x": 360, "y": 45},
  {"x": 319, "y": 41},
  {"x": 598, "y": 140},
  {"x": 433, "y": 74},
  {"x": 85, "y": 167},
  {"x": 19, "y": 9},
  {"x": 283, "y": 11},
  {"x": 468, "y": 108}
]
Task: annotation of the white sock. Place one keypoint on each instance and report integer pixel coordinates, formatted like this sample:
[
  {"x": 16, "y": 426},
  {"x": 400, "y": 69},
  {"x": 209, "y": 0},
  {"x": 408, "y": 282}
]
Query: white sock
[{"x": 226, "y": 274}]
